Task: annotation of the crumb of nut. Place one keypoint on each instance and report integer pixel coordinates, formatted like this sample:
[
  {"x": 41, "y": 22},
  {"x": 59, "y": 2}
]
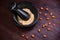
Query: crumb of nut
[
  {"x": 41, "y": 18},
  {"x": 22, "y": 35},
  {"x": 26, "y": 37},
  {"x": 54, "y": 24},
  {"x": 47, "y": 18},
  {"x": 51, "y": 13},
  {"x": 48, "y": 29},
  {"x": 32, "y": 35},
  {"x": 46, "y": 8},
  {"x": 53, "y": 16},
  {"x": 39, "y": 30},
  {"x": 45, "y": 14},
  {"x": 49, "y": 23},
  {"x": 44, "y": 25},
  {"x": 44, "y": 35},
  {"x": 41, "y": 8},
  {"x": 40, "y": 13}
]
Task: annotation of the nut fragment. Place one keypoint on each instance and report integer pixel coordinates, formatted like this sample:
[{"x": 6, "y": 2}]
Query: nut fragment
[
  {"x": 39, "y": 30},
  {"x": 40, "y": 13},
  {"x": 49, "y": 23},
  {"x": 32, "y": 35},
  {"x": 45, "y": 14},
  {"x": 44, "y": 25},
  {"x": 26, "y": 37},
  {"x": 41, "y": 18},
  {"x": 44, "y": 35},
  {"x": 54, "y": 24},
  {"x": 22, "y": 35},
  {"x": 51, "y": 13},
  {"x": 53, "y": 16},
  {"x": 48, "y": 29},
  {"x": 41, "y": 8},
  {"x": 47, "y": 18},
  {"x": 46, "y": 8}
]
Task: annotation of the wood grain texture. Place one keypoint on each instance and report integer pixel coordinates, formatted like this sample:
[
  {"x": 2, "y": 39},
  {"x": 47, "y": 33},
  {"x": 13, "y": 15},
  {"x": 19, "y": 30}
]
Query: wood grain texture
[{"x": 10, "y": 31}]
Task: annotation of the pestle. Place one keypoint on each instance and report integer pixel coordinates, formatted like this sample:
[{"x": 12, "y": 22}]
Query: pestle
[{"x": 22, "y": 14}]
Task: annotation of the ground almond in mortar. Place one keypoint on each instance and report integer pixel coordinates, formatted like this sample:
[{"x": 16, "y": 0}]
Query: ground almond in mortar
[{"x": 29, "y": 21}]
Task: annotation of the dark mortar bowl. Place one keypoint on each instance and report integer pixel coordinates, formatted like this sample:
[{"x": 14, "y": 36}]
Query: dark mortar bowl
[{"x": 28, "y": 5}]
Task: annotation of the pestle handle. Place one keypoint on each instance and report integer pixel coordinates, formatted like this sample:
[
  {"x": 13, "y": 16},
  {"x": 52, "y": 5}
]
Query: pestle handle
[{"x": 22, "y": 14}]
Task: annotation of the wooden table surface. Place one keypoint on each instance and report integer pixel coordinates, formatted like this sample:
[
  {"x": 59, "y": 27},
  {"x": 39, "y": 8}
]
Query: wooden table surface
[{"x": 10, "y": 31}]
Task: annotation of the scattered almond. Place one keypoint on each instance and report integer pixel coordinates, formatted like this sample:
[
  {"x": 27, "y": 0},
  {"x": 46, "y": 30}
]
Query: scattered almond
[
  {"x": 44, "y": 25},
  {"x": 51, "y": 13},
  {"x": 40, "y": 13},
  {"x": 41, "y": 8},
  {"x": 44, "y": 35},
  {"x": 45, "y": 14},
  {"x": 22, "y": 35},
  {"x": 41, "y": 18},
  {"x": 49, "y": 23},
  {"x": 39, "y": 30},
  {"x": 54, "y": 24},
  {"x": 47, "y": 18},
  {"x": 46, "y": 8},
  {"x": 53, "y": 16},
  {"x": 26, "y": 37},
  {"x": 32, "y": 35},
  {"x": 48, "y": 29}
]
